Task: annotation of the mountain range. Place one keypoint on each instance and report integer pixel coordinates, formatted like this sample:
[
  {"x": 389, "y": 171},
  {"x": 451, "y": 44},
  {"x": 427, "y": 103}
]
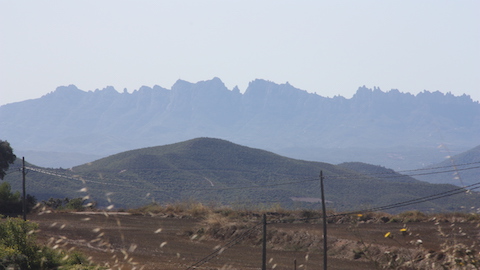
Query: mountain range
[
  {"x": 68, "y": 126},
  {"x": 215, "y": 171}
]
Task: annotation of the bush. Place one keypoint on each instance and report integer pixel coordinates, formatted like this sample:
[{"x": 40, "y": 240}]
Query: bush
[
  {"x": 17, "y": 244},
  {"x": 411, "y": 216},
  {"x": 18, "y": 249},
  {"x": 76, "y": 204}
]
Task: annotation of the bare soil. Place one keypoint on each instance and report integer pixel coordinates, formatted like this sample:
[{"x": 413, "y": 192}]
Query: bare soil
[{"x": 157, "y": 242}]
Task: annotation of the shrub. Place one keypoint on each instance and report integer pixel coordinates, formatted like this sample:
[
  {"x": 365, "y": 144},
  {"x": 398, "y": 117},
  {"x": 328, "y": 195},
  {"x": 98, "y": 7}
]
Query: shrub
[
  {"x": 75, "y": 204},
  {"x": 17, "y": 244},
  {"x": 411, "y": 216},
  {"x": 18, "y": 249},
  {"x": 198, "y": 210}
]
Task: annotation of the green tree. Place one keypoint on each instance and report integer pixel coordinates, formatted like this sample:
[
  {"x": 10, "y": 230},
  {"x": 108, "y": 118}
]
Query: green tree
[
  {"x": 6, "y": 157},
  {"x": 67, "y": 203},
  {"x": 6, "y": 194},
  {"x": 11, "y": 203}
]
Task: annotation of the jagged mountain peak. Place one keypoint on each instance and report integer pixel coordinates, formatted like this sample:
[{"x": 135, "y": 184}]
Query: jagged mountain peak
[
  {"x": 107, "y": 91},
  {"x": 364, "y": 92},
  {"x": 213, "y": 84},
  {"x": 179, "y": 84},
  {"x": 236, "y": 89},
  {"x": 64, "y": 90},
  {"x": 260, "y": 88},
  {"x": 70, "y": 92},
  {"x": 277, "y": 117}
]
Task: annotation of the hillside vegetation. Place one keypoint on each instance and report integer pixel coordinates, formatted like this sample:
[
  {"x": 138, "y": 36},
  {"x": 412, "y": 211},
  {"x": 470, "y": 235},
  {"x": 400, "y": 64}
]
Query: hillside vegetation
[{"x": 215, "y": 171}]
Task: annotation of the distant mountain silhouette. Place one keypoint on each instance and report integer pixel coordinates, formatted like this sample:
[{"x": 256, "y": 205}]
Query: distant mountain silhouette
[{"x": 392, "y": 129}]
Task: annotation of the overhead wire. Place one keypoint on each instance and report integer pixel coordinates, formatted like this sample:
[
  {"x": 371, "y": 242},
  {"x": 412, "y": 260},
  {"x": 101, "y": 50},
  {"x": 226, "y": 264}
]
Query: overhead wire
[
  {"x": 221, "y": 249},
  {"x": 233, "y": 188},
  {"x": 439, "y": 167},
  {"x": 399, "y": 204},
  {"x": 393, "y": 174},
  {"x": 194, "y": 189},
  {"x": 236, "y": 240},
  {"x": 386, "y": 207}
]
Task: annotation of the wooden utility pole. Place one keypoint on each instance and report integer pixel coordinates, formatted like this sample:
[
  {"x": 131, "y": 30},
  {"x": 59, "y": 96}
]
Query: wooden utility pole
[
  {"x": 324, "y": 223},
  {"x": 264, "y": 247},
  {"x": 24, "y": 199}
]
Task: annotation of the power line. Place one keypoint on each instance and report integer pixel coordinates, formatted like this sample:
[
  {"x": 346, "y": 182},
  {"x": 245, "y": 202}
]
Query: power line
[
  {"x": 440, "y": 167},
  {"x": 393, "y": 175},
  {"x": 388, "y": 174},
  {"x": 452, "y": 170},
  {"x": 83, "y": 179},
  {"x": 236, "y": 240},
  {"x": 400, "y": 204},
  {"x": 219, "y": 250},
  {"x": 410, "y": 202},
  {"x": 202, "y": 169}
]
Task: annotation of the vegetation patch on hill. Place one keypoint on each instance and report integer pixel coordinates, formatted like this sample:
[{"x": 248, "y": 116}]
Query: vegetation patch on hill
[{"x": 217, "y": 171}]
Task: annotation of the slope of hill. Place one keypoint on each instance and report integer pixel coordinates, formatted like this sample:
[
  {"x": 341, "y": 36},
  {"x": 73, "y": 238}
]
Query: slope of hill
[
  {"x": 378, "y": 172},
  {"x": 461, "y": 170},
  {"x": 221, "y": 172},
  {"x": 392, "y": 129}
]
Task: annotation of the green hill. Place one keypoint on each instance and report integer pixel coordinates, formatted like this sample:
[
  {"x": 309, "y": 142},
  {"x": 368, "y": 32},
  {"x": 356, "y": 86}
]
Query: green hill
[
  {"x": 378, "y": 172},
  {"x": 220, "y": 172}
]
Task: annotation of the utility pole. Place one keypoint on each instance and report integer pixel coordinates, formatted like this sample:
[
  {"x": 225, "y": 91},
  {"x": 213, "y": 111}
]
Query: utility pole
[
  {"x": 324, "y": 223},
  {"x": 264, "y": 247},
  {"x": 24, "y": 199}
]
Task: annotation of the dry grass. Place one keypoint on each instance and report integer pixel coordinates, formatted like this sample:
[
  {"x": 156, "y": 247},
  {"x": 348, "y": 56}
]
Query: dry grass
[
  {"x": 216, "y": 220},
  {"x": 400, "y": 252},
  {"x": 187, "y": 209}
]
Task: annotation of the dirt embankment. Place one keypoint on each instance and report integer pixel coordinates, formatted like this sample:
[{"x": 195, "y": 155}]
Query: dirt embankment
[{"x": 159, "y": 242}]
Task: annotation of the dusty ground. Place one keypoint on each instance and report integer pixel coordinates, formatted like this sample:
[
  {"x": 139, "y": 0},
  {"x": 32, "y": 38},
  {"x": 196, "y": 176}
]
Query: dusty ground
[{"x": 155, "y": 242}]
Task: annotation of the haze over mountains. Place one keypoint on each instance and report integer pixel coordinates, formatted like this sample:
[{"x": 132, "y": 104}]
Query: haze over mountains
[
  {"x": 392, "y": 129},
  {"x": 463, "y": 169}
]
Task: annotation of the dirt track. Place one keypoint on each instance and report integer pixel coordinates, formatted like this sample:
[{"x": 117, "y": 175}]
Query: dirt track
[{"x": 145, "y": 242}]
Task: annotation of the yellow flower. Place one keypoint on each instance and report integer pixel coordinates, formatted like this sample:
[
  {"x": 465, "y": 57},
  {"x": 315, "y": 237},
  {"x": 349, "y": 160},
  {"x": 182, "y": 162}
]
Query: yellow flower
[
  {"x": 403, "y": 229},
  {"x": 359, "y": 215},
  {"x": 388, "y": 234}
]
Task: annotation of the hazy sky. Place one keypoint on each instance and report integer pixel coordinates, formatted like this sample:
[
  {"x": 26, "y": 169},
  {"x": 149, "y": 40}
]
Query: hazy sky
[{"x": 328, "y": 47}]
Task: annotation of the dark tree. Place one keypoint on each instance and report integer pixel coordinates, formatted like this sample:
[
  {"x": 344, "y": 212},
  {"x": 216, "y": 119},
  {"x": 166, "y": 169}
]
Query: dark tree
[{"x": 6, "y": 157}]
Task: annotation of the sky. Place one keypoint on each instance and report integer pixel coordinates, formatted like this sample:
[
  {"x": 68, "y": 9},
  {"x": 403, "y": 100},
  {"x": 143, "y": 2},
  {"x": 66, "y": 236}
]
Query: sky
[{"x": 325, "y": 47}]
